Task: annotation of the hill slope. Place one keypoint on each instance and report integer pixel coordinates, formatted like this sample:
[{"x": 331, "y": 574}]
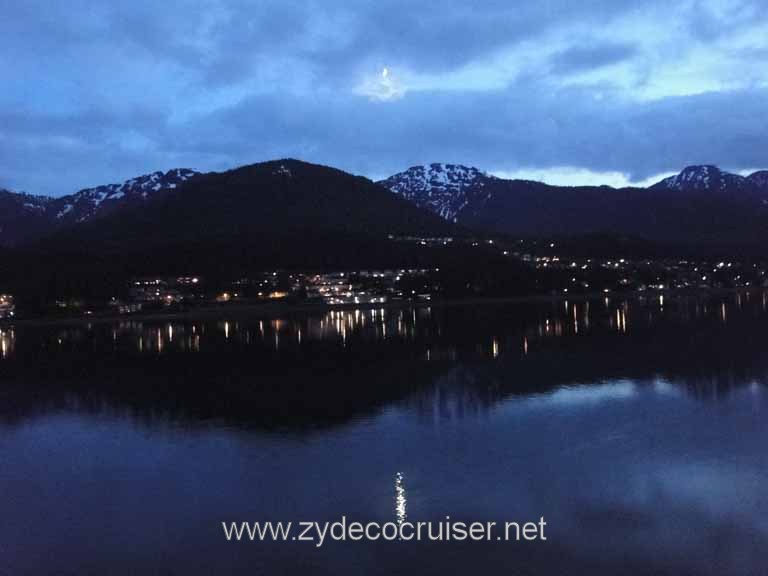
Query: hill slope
[{"x": 22, "y": 217}]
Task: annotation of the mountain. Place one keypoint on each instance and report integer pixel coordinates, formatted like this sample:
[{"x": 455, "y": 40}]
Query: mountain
[
  {"x": 281, "y": 213},
  {"x": 96, "y": 202},
  {"x": 701, "y": 205},
  {"x": 222, "y": 226},
  {"x": 445, "y": 189},
  {"x": 267, "y": 200},
  {"x": 704, "y": 179},
  {"x": 759, "y": 179},
  {"x": 24, "y": 217}
]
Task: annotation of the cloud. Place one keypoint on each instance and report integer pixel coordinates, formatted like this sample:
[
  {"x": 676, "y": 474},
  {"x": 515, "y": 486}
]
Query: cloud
[
  {"x": 574, "y": 176},
  {"x": 382, "y": 87},
  {"x": 579, "y": 58},
  {"x": 97, "y": 92}
]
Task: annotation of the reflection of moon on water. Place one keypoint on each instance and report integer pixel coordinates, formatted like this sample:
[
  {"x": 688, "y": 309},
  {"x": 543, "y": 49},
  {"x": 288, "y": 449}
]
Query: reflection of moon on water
[{"x": 401, "y": 503}]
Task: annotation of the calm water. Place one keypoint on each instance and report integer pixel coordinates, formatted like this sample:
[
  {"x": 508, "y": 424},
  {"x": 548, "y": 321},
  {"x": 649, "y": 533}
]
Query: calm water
[{"x": 637, "y": 429}]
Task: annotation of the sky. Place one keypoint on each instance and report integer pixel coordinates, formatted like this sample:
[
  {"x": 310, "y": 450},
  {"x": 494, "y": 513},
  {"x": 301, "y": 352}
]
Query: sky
[{"x": 594, "y": 91}]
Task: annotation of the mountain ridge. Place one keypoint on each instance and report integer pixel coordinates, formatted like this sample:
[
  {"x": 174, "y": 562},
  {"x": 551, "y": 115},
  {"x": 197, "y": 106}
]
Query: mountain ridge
[
  {"x": 447, "y": 186},
  {"x": 273, "y": 199},
  {"x": 701, "y": 204},
  {"x": 27, "y": 216},
  {"x": 282, "y": 214},
  {"x": 457, "y": 193},
  {"x": 96, "y": 201}
]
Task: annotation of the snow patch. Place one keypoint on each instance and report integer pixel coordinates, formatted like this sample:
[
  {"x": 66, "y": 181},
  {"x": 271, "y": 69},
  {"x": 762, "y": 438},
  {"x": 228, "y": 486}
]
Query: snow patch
[{"x": 445, "y": 189}]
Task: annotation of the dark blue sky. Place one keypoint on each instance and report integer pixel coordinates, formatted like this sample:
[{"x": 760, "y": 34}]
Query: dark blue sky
[{"x": 609, "y": 91}]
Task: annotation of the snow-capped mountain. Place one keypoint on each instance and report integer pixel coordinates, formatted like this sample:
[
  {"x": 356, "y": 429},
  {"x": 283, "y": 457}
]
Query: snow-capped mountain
[
  {"x": 705, "y": 178},
  {"x": 759, "y": 179},
  {"x": 289, "y": 206},
  {"x": 445, "y": 189},
  {"x": 26, "y": 217},
  {"x": 701, "y": 204},
  {"x": 95, "y": 202},
  {"x": 27, "y": 202},
  {"x": 282, "y": 196}
]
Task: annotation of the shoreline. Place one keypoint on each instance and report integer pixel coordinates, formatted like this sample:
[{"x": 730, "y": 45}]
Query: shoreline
[{"x": 272, "y": 310}]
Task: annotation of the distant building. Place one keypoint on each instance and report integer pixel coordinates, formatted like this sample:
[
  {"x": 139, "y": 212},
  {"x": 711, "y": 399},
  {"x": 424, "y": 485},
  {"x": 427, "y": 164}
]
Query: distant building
[
  {"x": 342, "y": 288},
  {"x": 7, "y": 306},
  {"x": 165, "y": 290},
  {"x": 363, "y": 287},
  {"x": 123, "y": 307}
]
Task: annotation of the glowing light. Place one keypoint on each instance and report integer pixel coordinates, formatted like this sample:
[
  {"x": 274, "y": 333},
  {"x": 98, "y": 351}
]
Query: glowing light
[
  {"x": 381, "y": 87},
  {"x": 401, "y": 501}
]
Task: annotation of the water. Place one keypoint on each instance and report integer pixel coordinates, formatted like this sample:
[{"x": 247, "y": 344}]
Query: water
[{"x": 635, "y": 428}]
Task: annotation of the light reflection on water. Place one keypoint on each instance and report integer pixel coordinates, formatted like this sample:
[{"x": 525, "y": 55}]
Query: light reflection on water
[
  {"x": 7, "y": 342},
  {"x": 636, "y": 428},
  {"x": 401, "y": 501},
  {"x": 516, "y": 336}
]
